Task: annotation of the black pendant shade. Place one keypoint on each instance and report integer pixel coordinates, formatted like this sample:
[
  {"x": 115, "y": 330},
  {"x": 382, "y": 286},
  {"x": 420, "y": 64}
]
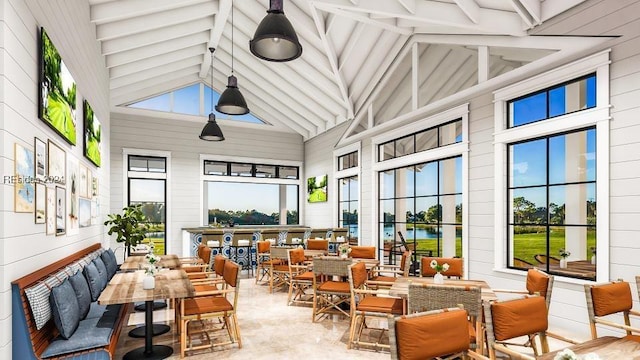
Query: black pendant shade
[
  {"x": 275, "y": 39},
  {"x": 231, "y": 101},
  {"x": 211, "y": 131}
]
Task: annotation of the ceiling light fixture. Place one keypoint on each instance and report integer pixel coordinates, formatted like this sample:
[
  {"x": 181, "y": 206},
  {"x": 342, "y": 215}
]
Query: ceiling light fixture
[
  {"x": 275, "y": 39},
  {"x": 231, "y": 101},
  {"x": 211, "y": 131}
]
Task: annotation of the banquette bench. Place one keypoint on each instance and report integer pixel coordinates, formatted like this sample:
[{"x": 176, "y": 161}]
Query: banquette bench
[{"x": 48, "y": 323}]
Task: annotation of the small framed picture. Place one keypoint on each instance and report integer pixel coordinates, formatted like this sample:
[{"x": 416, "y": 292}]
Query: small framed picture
[
  {"x": 41, "y": 203},
  {"x": 57, "y": 164},
  {"x": 23, "y": 189},
  {"x": 61, "y": 210},
  {"x": 40, "y": 158},
  {"x": 84, "y": 213},
  {"x": 51, "y": 211},
  {"x": 83, "y": 183}
]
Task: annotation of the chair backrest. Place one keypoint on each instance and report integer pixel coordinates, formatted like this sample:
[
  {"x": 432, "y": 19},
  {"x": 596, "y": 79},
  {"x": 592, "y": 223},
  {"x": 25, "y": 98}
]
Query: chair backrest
[
  {"x": 296, "y": 256},
  {"x": 426, "y": 297},
  {"x": 541, "y": 283},
  {"x": 231, "y": 275},
  {"x": 205, "y": 255},
  {"x": 357, "y": 276},
  {"x": 313, "y": 244},
  {"x": 213, "y": 236},
  {"x": 280, "y": 252},
  {"x": 514, "y": 318},
  {"x": 405, "y": 263},
  {"x": 263, "y": 247},
  {"x": 218, "y": 264},
  {"x": 430, "y": 334},
  {"x": 331, "y": 266},
  {"x": 363, "y": 252},
  {"x": 294, "y": 233},
  {"x": 318, "y": 233},
  {"x": 607, "y": 299},
  {"x": 455, "y": 266}
]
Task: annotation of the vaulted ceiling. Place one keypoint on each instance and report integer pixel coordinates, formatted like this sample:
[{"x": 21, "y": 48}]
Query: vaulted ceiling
[{"x": 349, "y": 47}]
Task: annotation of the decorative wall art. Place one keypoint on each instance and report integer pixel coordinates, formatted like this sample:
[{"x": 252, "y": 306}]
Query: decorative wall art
[
  {"x": 85, "y": 212},
  {"x": 83, "y": 183},
  {"x": 57, "y": 101},
  {"x": 51, "y": 211},
  {"x": 40, "y": 158},
  {"x": 94, "y": 211},
  {"x": 94, "y": 186},
  {"x": 41, "y": 199},
  {"x": 61, "y": 211},
  {"x": 72, "y": 185},
  {"x": 23, "y": 184},
  {"x": 57, "y": 164},
  {"x": 92, "y": 135},
  {"x": 317, "y": 189}
]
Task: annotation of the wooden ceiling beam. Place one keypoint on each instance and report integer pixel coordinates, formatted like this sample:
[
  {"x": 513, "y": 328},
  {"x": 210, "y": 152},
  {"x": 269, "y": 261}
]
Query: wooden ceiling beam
[
  {"x": 121, "y": 10},
  {"x": 153, "y": 50},
  {"x": 148, "y": 63}
]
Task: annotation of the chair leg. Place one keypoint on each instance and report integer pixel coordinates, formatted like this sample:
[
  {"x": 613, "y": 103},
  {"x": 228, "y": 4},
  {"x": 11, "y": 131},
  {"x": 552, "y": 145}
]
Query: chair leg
[
  {"x": 313, "y": 314},
  {"x": 352, "y": 329},
  {"x": 237, "y": 330},
  {"x": 183, "y": 338},
  {"x": 290, "y": 291}
]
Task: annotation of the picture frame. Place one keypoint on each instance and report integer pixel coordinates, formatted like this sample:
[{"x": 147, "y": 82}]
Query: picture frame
[
  {"x": 56, "y": 164},
  {"x": 40, "y": 158},
  {"x": 57, "y": 98},
  {"x": 40, "y": 203},
  {"x": 92, "y": 149},
  {"x": 61, "y": 211},
  {"x": 83, "y": 182},
  {"x": 317, "y": 189},
  {"x": 50, "y": 212},
  {"x": 24, "y": 191},
  {"x": 73, "y": 179},
  {"x": 84, "y": 213}
]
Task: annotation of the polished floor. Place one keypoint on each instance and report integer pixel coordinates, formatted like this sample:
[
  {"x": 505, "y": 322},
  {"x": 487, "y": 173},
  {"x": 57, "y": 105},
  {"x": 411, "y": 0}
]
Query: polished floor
[{"x": 270, "y": 330}]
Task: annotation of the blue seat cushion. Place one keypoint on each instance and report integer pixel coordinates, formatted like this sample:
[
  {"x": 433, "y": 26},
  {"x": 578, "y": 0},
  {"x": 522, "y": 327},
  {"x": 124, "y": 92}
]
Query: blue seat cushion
[
  {"x": 102, "y": 271},
  {"x": 97, "y": 310},
  {"x": 110, "y": 263},
  {"x": 90, "y": 273},
  {"x": 83, "y": 294},
  {"x": 65, "y": 309},
  {"x": 91, "y": 333}
]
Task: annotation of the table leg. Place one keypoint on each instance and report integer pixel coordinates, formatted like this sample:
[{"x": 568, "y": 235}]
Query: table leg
[{"x": 149, "y": 351}]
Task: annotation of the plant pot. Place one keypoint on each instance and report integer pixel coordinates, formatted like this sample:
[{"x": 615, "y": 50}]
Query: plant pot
[
  {"x": 149, "y": 282},
  {"x": 593, "y": 259},
  {"x": 343, "y": 256},
  {"x": 563, "y": 263},
  {"x": 438, "y": 278}
]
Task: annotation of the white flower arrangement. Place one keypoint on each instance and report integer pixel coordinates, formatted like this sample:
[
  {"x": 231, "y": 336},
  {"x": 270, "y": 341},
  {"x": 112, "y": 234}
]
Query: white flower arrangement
[
  {"x": 568, "y": 354},
  {"x": 437, "y": 267},
  {"x": 344, "y": 249},
  {"x": 152, "y": 258},
  {"x": 150, "y": 269}
]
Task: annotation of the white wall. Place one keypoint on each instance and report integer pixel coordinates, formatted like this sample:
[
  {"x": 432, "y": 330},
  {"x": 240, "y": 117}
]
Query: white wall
[
  {"x": 24, "y": 245},
  {"x": 180, "y": 138}
]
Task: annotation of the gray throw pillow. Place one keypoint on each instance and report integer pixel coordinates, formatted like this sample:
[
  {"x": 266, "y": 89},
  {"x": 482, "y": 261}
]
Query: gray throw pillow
[
  {"x": 102, "y": 270},
  {"x": 90, "y": 273},
  {"x": 83, "y": 294},
  {"x": 65, "y": 309},
  {"x": 110, "y": 263}
]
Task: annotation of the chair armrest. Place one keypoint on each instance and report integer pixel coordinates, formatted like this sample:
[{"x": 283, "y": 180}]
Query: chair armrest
[
  {"x": 513, "y": 354},
  {"x": 562, "y": 338},
  {"x": 372, "y": 292},
  {"x": 510, "y": 291},
  {"x": 474, "y": 355},
  {"x": 634, "y": 312},
  {"x": 616, "y": 325},
  {"x": 214, "y": 292},
  {"x": 383, "y": 283}
]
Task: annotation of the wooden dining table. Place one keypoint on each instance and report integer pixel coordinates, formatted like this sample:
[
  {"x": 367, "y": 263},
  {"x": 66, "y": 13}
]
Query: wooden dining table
[
  {"x": 137, "y": 262},
  {"x": 400, "y": 287},
  {"x": 606, "y": 347},
  {"x": 126, "y": 287}
]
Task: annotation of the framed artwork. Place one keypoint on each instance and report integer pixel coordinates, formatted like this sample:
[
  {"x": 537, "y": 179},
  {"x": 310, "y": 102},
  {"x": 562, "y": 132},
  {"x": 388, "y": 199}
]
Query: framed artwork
[
  {"x": 92, "y": 135},
  {"x": 85, "y": 213},
  {"x": 73, "y": 174},
  {"x": 51, "y": 211},
  {"x": 57, "y": 100},
  {"x": 94, "y": 185},
  {"x": 317, "y": 189},
  {"x": 83, "y": 182},
  {"x": 61, "y": 211},
  {"x": 40, "y": 148},
  {"x": 24, "y": 190},
  {"x": 94, "y": 211},
  {"x": 41, "y": 203},
  {"x": 57, "y": 164}
]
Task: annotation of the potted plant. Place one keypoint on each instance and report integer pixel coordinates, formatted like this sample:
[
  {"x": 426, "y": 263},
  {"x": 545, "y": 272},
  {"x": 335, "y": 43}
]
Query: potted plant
[
  {"x": 563, "y": 255},
  {"x": 438, "y": 278},
  {"x": 129, "y": 226}
]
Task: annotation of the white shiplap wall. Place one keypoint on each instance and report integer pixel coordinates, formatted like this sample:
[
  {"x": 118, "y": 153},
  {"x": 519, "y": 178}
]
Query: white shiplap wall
[
  {"x": 180, "y": 138},
  {"x": 24, "y": 247}
]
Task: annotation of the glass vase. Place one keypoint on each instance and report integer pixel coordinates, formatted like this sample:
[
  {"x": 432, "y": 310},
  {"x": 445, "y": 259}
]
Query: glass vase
[
  {"x": 438, "y": 278},
  {"x": 149, "y": 282}
]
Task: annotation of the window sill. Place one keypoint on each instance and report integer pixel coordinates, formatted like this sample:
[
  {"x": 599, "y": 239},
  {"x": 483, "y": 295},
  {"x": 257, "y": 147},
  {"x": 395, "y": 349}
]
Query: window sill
[{"x": 557, "y": 278}]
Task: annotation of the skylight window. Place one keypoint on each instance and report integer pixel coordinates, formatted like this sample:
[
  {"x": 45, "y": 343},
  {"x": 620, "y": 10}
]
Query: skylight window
[{"x": 191, "y": 100}]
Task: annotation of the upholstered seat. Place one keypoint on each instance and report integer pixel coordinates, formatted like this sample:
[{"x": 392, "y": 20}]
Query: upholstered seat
[
  {"x": 334, "y": 286},
  {"x": 381, "y": 305}
]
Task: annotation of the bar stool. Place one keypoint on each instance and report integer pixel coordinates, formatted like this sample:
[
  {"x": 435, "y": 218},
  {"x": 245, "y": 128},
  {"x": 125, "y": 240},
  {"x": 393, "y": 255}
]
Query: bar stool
[
  {"x": 213, "y": 240},
  {"x": 241, "y": 250}
]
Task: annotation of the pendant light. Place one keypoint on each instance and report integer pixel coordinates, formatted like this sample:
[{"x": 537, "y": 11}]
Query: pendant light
[
  {"x": 211, "y": 131},
  {"x": 231, "y": 101},
  {"x": 275, "y": 39}
]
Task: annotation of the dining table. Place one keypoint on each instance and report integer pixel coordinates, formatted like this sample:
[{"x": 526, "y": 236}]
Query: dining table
[
  {"x": 606, "y": 347},
  {"x": 400, "y": 287},
  {"x": 126, "y": 287},
  {"x": 137, "y": 262}
]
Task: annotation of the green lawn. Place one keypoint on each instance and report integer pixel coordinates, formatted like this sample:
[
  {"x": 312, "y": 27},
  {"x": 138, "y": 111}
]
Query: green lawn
[
  {"x": 525, "y": 246},
  {"x": 318, "y": 195},
  {"x": 158, "y": 244}
]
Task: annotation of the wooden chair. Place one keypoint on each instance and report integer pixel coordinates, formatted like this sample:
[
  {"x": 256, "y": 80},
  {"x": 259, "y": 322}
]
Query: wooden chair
[
  {"x": 506, "y": 320},
  {"x": 199, "y": 270},
  {"x": 426, "y": 297},
  {"x": 215, "y": 304},
  {"x": 456, "y": 267},
  {"x": 330, "y": 294},
  {"x": 437, "y": 334},
  {"x": 365, "y": 303},
  {"x": 608, "y": 299},
  {"x": 300, "y": 278},
  {"x": 313, "y": 244},
  {"x": 363, "y": 252},
  {"x": 264, "y": 260},
  {"x": 278, "y": 267},
  {"x": 386, "y": 275}
]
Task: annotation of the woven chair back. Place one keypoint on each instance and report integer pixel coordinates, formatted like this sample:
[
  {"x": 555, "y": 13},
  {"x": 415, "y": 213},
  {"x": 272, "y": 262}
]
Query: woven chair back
[
  {"x": 331, "y": 266},
  {"x": 427, "y": 297}
]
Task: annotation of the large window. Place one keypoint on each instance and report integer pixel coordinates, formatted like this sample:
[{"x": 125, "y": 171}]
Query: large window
[
  {"x": 226, "y": 168},
  {"x": 348, "y": 206},
  {"x": 552, "y": 203},
  {"x": 437, "y": 136},
  {"x": 424, "y": 203}
]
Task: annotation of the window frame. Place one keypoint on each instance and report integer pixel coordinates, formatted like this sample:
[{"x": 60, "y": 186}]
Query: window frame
[
  {"x": 341, "y": 174},
  {"x": 597, "y": 117}
]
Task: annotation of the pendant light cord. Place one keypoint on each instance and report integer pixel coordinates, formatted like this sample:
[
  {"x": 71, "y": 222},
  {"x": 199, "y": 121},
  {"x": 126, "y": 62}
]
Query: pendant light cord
[
  {"x": 211, "y": 49},
  {"x": 232, "y": 43}
]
